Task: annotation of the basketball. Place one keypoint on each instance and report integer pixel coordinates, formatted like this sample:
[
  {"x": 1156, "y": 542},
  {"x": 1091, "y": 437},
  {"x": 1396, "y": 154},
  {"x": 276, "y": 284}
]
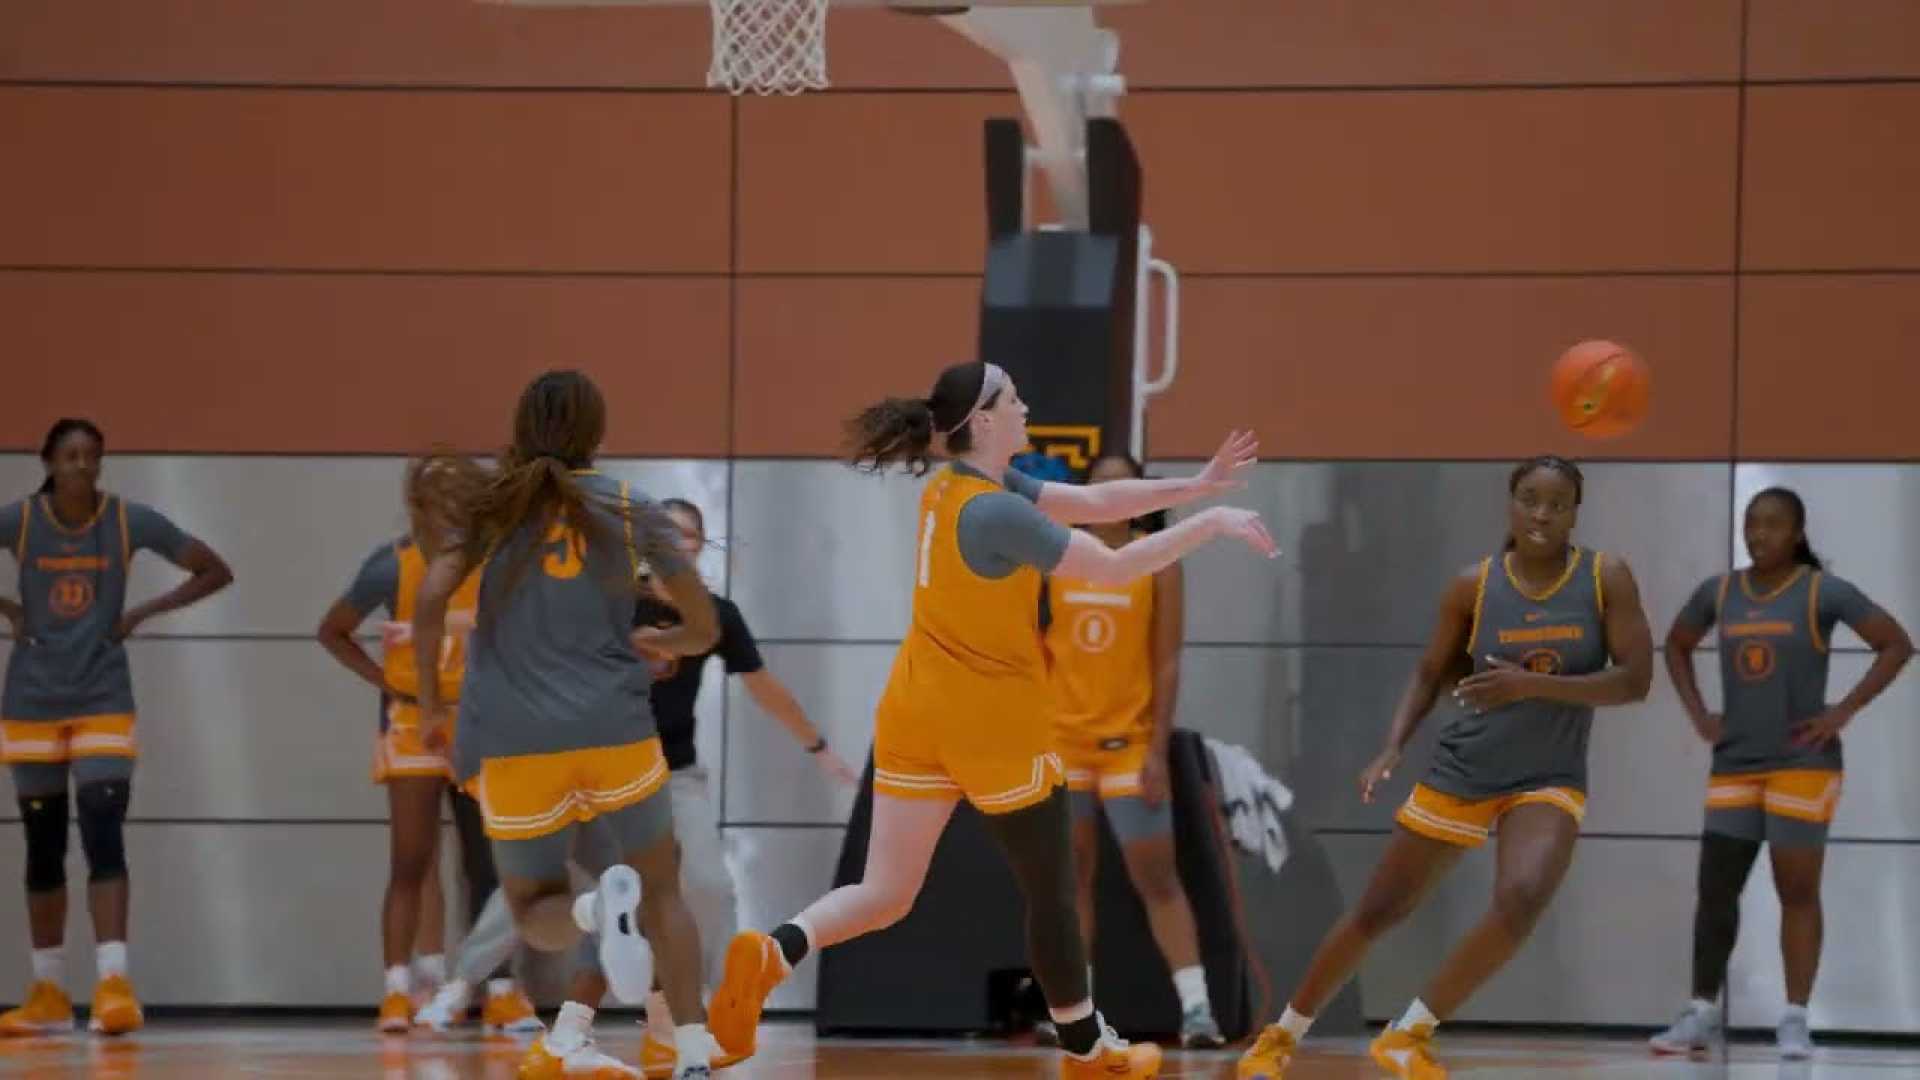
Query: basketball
[{"x": 1601, "y": 389}]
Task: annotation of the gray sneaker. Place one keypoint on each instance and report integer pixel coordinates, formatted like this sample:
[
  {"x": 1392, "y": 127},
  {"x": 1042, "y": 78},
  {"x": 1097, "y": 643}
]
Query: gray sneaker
[
  {"x": 1696, "y": 1030},
  {"x": 1045, "y": 1034},
  {"x": 1795, "y": 1041},
  {"x": 1199, "y": 1031}
]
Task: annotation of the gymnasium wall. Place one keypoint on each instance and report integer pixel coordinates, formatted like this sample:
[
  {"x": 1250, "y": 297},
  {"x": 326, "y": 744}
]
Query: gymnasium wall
[{"x": 274, "y": 247}]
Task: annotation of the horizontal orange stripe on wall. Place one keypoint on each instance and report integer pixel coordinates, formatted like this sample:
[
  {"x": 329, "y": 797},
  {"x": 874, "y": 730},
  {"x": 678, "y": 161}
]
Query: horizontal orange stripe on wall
[{"x": 288, "y": 363}]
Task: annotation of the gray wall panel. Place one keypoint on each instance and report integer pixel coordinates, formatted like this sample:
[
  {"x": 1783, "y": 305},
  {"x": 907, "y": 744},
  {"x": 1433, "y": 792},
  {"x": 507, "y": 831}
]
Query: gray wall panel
[
  {"x": 233, "y": 914},
  {"x": 1605, "y": 953},
  {"x": 1368, "y": 546},
  {"x": 821, "y": 552},
  {"x": 780, "y": 872},
  {"x": 769, "y": 777},
  {"x": 1881, "y": 800},
  {"x": 1860, "y": 519}
]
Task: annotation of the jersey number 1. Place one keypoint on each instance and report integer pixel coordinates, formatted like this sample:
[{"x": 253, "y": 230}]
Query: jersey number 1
[{"x": 926, "y": 549}]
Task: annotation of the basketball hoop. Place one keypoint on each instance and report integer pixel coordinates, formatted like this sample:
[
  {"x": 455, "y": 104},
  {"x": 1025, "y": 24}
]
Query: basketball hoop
[{"x": 769, "y": 46}]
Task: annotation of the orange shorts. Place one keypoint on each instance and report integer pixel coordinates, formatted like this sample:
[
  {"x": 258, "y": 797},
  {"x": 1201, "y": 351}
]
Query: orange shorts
[
  {"x": 1110, "y": 773},
  {"x": 400, "y": 751},
  {"x": 1467, "y": 822},
  {"x": 1785, "y": 806},
  {"x": 1000, "y": 761},
  {"x": 529, "y": 796},
  {"x": 56, "y": 741}
]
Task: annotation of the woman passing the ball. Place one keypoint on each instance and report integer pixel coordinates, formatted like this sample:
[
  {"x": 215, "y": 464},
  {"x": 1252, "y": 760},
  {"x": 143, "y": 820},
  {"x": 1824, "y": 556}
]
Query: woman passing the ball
[
  {"x": 1537, "y": 636},
  {"x": 1776, "y": 749}
]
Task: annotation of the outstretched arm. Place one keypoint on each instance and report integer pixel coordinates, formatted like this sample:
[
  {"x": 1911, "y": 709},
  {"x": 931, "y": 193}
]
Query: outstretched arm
[
  {"x": 1090, "y": 560},
  {"x": 1123, "y": 500}
]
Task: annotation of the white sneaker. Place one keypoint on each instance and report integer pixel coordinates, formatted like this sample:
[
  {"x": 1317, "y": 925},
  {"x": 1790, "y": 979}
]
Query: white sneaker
[
  {"x": 583, "y": 1060},
  {"x": 625, "y": 957},
  {"x": 1794, "y": 1040},
  {"x": 448, "y": 1007},
  {"x": 1696, "y": 1030},
  {"x": 701, "y": 1066}
]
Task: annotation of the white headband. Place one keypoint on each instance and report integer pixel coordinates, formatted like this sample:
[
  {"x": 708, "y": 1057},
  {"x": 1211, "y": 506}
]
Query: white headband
[{"x": 990, "y": 384}]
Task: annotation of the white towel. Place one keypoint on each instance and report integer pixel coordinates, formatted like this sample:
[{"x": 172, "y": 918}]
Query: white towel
[{"x": 1252, "y": 803}]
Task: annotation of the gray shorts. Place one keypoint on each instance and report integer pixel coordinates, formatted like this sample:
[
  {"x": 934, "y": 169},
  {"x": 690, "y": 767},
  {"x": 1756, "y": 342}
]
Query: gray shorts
[
  {"x": 618, "y": 834},
  {"x": 1132, "y": 819},
  {"x": 32, "y": 778},
  {"x": 1784, "y": 808}
]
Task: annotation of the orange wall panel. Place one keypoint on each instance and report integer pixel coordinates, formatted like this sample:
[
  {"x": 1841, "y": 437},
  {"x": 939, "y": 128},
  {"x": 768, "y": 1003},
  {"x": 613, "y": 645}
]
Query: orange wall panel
[
  {"x": 812, "y": 353},
  {"x": 359, "y": 180},
  {"x": 1829, "y": 367},
  {"x": 1831, "y": 177},
  {"x": 1833, "y": 39},
  {"x": 1427, "y": 368},
  {"x": 1485, "y": 181},
  {"x": 292, "y": 363},
  {"x": 355, "y": 42}
]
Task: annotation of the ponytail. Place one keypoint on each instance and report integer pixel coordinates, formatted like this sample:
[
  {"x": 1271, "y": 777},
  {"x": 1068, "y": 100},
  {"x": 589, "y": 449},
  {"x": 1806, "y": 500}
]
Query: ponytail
[{"x": 897, "y": 430}]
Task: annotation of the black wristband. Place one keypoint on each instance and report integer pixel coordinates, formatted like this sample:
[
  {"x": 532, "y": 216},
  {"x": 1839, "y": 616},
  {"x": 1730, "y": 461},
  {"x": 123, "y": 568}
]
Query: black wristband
[{"x": 819, "y": 746}]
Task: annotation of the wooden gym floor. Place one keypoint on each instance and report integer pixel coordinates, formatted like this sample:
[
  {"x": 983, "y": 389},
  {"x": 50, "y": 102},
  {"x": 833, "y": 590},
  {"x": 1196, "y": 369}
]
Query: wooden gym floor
[{"x": 179, "y": 1050}]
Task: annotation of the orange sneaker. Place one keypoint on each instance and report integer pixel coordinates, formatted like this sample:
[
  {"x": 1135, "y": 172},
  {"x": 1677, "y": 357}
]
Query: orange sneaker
[
  {"x": 657, "y": 1059},
  {"x": 508, "y": 1012},
  {"x": 754, "y": 967},
  {"x": 46, "y": 1010},
  {"x": 1271, "y": 1054},
  {"x": 1406, "y": 1054},
  {"x": 396, "y": 1013},
  {"x": 115, "y": 1010},
  {"x": 584, "y": 1062},
  {"x": 1113, "y": 1058}
]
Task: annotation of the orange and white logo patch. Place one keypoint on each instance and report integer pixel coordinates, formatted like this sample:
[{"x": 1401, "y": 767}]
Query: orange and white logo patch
[
  {"x": 1093, "y": 631},
  {"x": 71, "y": 596},
  {"x": 1754, "y": 660},
  {"x": 1542, "y": 662}
]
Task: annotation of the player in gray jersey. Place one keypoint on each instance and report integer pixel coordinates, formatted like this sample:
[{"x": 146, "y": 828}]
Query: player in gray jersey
[
  {"x": 68, "y": 706},
  {"x": 1776, "y": 750},
  {"x": 1537, "y": 637},
  {"x": 554, "y": 728}
]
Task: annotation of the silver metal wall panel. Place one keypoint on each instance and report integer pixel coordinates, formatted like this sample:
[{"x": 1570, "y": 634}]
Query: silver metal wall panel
[
  {"x": 1860, "y": 519},
  {"x": 1646, "y": 768},
  {"x": 1613, "y": 949},
  {"x": 1868, "y": 979},
  {"x": 1243, "y": 695},
  {"x": 769, "y": 777},
  {"x": 1880, "y": 801},
  {"x": 780, "y": 871},
  {"x": 232, "y": 914},
  {"x": 1368, "y": 546},
  {"x": 295, "y": 529},
  {"x": 262, "y": 729},
  {"x": 821, "y": 552}
]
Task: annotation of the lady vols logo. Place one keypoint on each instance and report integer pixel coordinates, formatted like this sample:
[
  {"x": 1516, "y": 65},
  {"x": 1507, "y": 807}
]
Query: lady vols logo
[
  {"x": 1754, "y": 660},
  {"x": 71, "y": 596},
  {"x": 1542, "y": 662},
  {"x": 1093, "y": 631}
]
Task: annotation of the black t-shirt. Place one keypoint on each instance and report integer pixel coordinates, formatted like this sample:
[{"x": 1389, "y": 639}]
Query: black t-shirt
[{"x": 677, "y": 686}]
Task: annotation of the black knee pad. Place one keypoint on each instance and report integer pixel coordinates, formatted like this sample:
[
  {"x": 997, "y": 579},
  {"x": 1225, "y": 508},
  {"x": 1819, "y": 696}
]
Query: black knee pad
[
  {"x": 102, "y": 811},
  {"x": 45, "y": 817}
]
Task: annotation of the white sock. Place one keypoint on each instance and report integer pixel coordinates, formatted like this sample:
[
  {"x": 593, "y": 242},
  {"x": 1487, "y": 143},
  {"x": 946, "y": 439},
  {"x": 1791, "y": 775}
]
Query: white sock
[
  {"x": 399, "y": 979},
  {"x": 1795, "y": 1012},
  {"x": 498, "y": 987},
  {"x": 1703, "y": 1006},
  {"x": 571, "y": 1028},
  {"x": 660, "y": 1018},
  {"x": 431, "y": 968},
  {"x": 1294, "y": 1024},
  {"x": 50, "y": 965},
  {"x": 1418, "y": 1018},
  {"x": 110, "y": 958},
  {"x": 1191, "y": 984},
  {"x": 691, "y": 1043}
]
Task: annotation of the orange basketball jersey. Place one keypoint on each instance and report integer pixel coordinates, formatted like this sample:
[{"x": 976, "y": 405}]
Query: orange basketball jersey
[
  {"x": 1100, "y": 652},
  {"x": 398, "y": 660},
  {"x": 975, "y": 641}
]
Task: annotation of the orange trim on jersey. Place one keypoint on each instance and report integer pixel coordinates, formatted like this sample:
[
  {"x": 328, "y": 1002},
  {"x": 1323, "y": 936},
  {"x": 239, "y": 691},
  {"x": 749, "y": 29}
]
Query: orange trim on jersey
[
  {"x": 1479, "y": 602},
  {"x": 1746, "y": 586},
  {"x": 1813, "y": 612},
  {"x": 1599, "y": 589},
  {"x": 52, "y": 519},
  {"x": 126, "y": 540},
  {"x": 20, "y": 543},
  {"x": 1566, "y": 575},
  {"x": 1720, "y": 601}
]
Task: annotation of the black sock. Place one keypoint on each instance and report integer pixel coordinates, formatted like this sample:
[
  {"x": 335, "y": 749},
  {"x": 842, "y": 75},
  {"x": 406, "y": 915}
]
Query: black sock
[
  {"x": 793, "y": 943},
  {"x": 1080, "y": 1037}
]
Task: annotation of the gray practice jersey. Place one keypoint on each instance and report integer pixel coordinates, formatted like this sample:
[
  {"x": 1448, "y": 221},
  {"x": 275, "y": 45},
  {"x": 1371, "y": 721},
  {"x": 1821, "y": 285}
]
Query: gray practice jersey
[
  {"x": 551, "y": 666},
  {"x": 1773, "y": 663},
  {"x": 1527, "y": 745},
  {"x": 73, "y": 584}
]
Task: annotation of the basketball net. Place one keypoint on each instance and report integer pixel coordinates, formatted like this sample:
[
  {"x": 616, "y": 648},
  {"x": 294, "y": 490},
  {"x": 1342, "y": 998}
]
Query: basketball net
[{"x": 769, "y": 46}]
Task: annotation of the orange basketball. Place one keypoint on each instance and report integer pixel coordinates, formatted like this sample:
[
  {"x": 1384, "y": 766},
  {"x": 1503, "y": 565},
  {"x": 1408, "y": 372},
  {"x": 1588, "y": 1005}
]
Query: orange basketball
[{"x": 1601, "y": 389}]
